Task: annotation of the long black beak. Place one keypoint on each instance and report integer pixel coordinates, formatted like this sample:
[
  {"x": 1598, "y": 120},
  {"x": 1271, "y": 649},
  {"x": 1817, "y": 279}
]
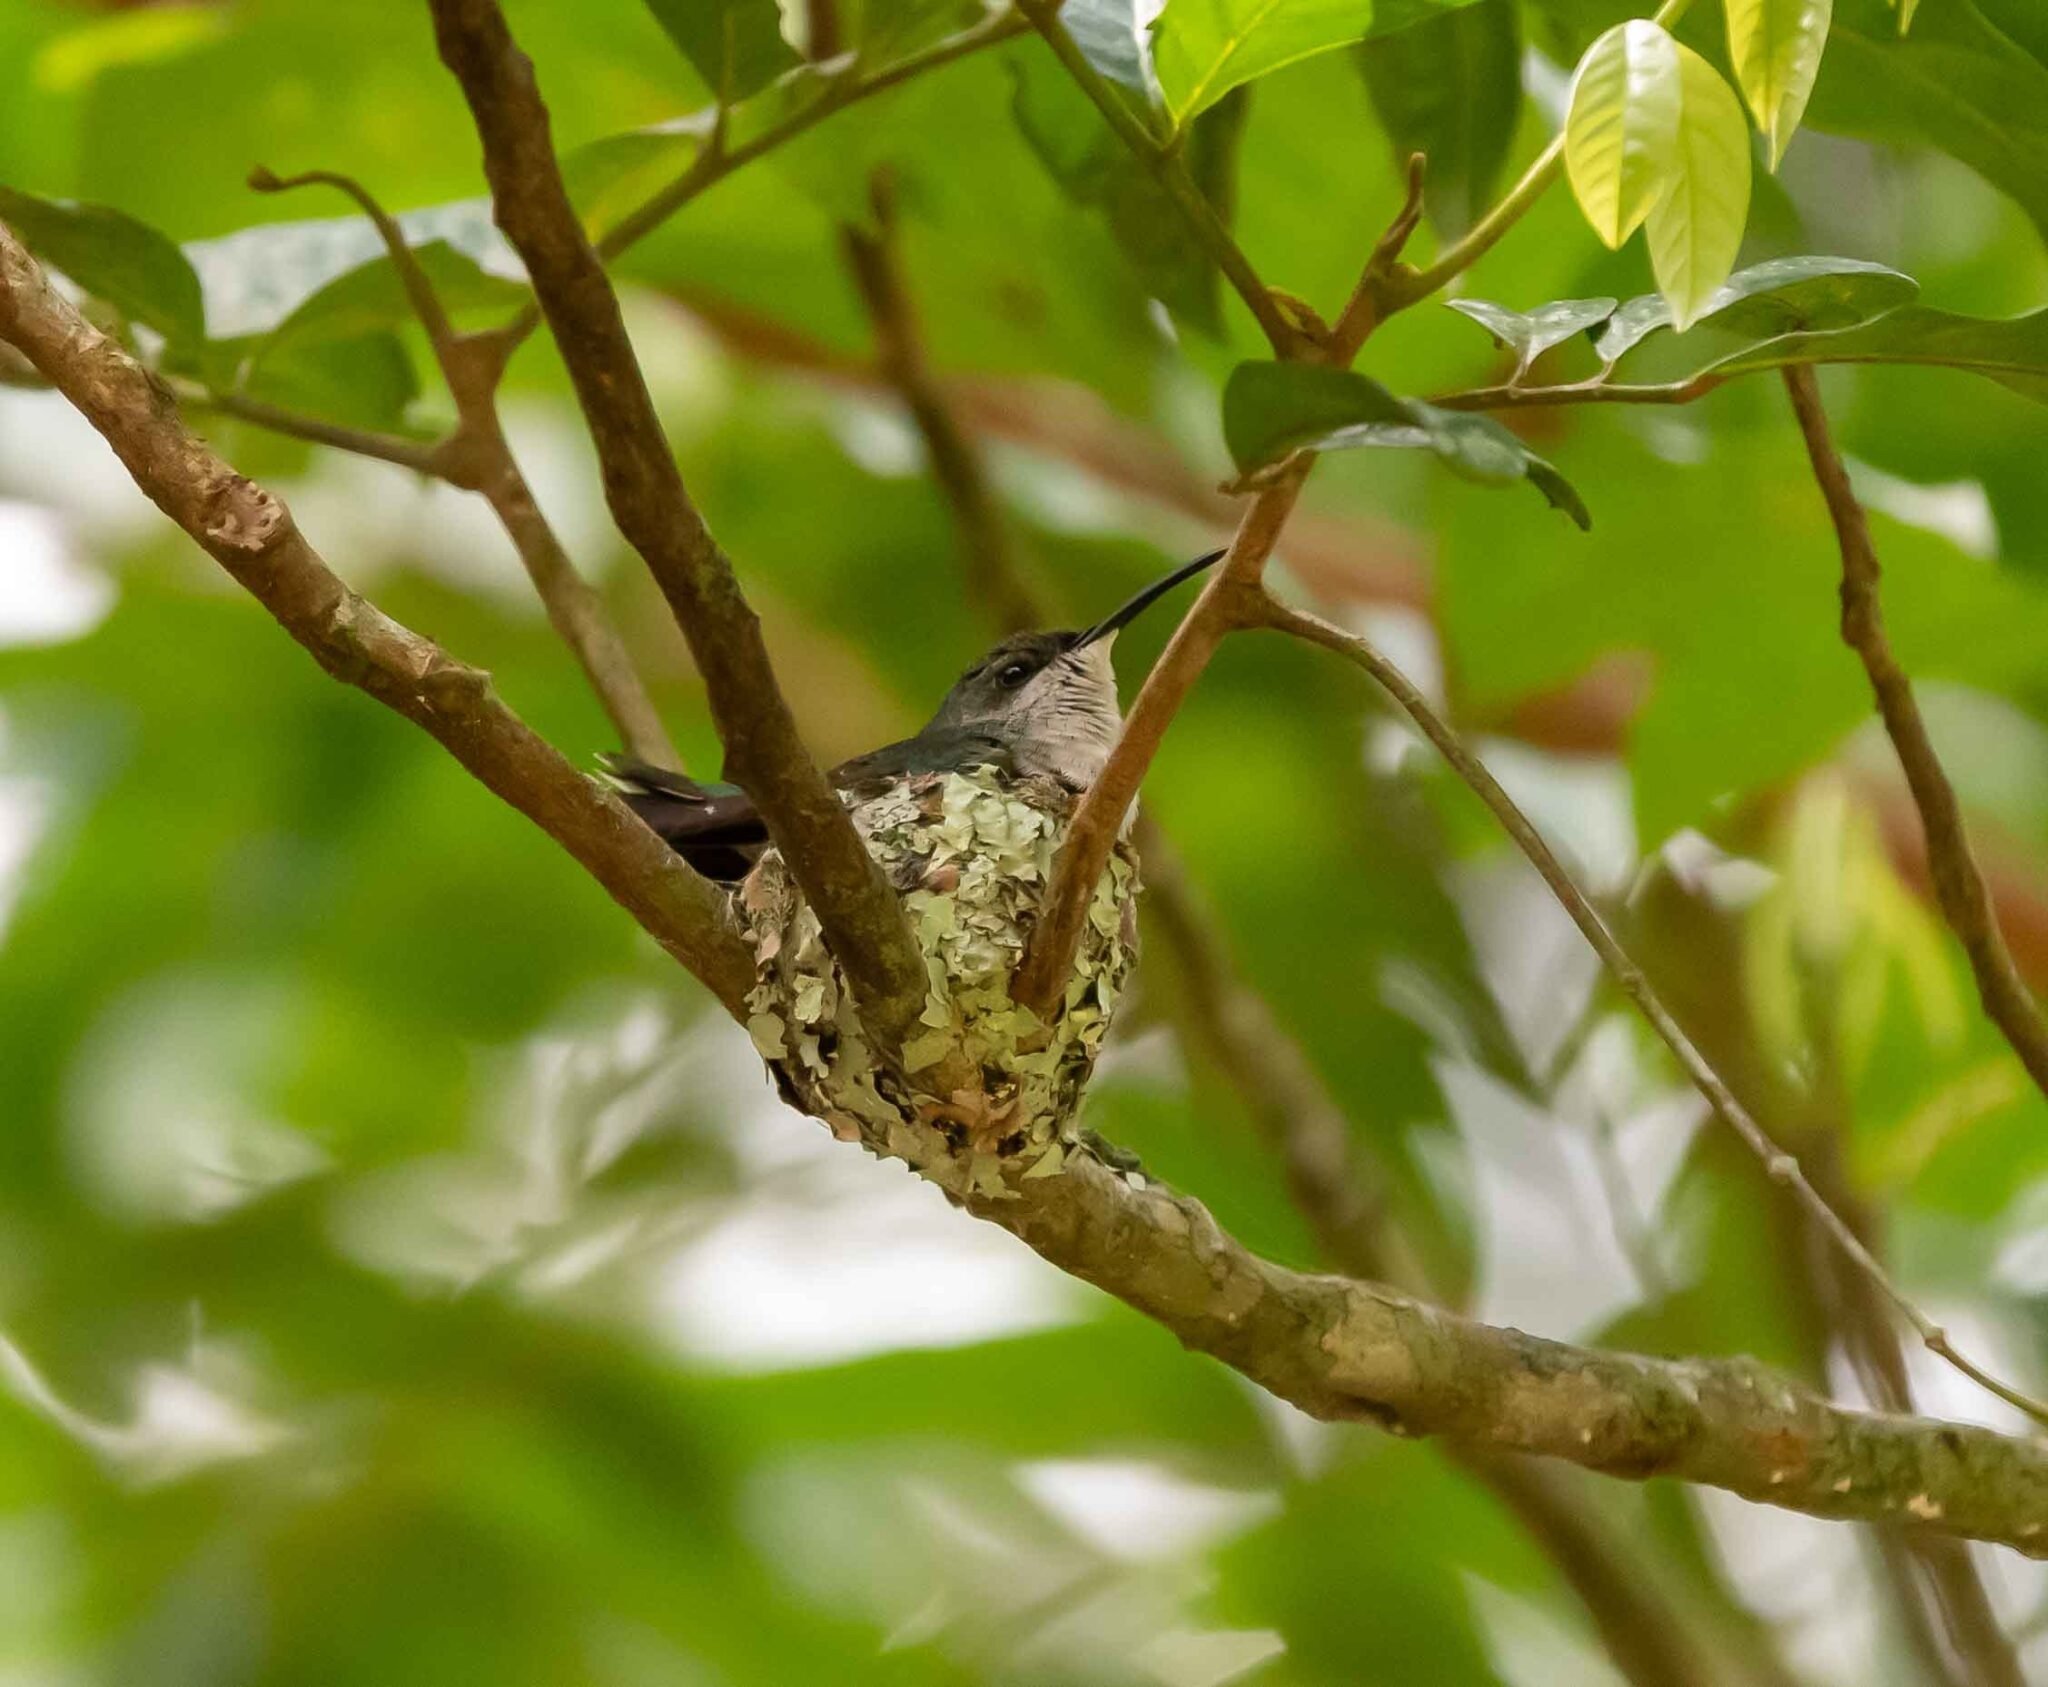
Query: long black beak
[{"x": 1144, "y": 600}]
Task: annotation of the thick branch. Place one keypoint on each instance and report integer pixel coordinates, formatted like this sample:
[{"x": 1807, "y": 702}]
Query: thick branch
[
  {"x": 1958, "y": 882},
  {"x": 860, "y": 913},
  {"x": 252, "y": 536},
  {"x": 1782, "y": 1167},
  {"x": 1346, "y": 1350}
]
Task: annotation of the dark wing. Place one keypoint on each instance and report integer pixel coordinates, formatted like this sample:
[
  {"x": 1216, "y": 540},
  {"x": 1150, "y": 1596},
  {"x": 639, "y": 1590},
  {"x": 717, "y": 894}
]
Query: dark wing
[
  {"x": 717, "y": 829},
  {"x": 713, "y": 827},
  {"x": 934, "y": 750}
]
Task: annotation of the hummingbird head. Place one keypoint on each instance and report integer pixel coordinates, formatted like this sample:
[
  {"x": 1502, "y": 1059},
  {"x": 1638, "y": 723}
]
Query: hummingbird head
[{"x": 1051, "y": 696}]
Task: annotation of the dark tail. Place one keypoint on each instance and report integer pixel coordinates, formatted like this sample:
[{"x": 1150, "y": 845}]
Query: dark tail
[{"x": 713, "y": 827}]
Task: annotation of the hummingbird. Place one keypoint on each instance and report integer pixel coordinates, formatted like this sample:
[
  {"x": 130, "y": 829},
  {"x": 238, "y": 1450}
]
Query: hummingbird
[{"x": 1037, "y": 705}]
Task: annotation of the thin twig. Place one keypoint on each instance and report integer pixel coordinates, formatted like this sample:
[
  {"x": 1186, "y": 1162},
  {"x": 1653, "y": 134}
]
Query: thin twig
[
  {"x": 478, "y": 457},
  {"x": 1958, "y": 881},
  {"x": 987, "y": 551},
  {"x": 419, "y": 291},
  {"x": 1596, "y": 389},
  {"x": 1285, "y": 336},
  {"x": 1363, "y": 310},
  {"x": 423, "y": 456},
  {"x": 1782, "y": 1167},
  {"x": 863, "y": 920}
]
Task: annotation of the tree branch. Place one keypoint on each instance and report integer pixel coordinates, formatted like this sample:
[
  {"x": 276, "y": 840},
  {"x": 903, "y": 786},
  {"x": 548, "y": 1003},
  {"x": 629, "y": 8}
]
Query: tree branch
[
  {"x": 252, "y": 536},
  {"x": 478, "y": 458},
  {"x": 860, "y": 913},
  {"x": 1351, "y": 1351},
  {"x": 1958, "y": 882},
  {"x": 1783, "y": 1168}
]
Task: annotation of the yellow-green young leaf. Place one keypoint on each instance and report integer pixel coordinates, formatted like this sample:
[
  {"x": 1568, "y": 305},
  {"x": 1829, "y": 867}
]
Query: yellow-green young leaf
[
  {"x": 1621, "y": 126},
  {"x": 1201, "y": 49},
  {"x": 1695, "y": 227},
  {"x": 1905, "y": 9},
  {"x": 1775, "y": 46}
]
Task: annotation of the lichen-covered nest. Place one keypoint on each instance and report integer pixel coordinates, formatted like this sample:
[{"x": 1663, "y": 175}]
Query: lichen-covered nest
[{"x": 971, "y": 854}]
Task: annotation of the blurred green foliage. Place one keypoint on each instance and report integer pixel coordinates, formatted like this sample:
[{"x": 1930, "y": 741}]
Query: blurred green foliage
[{"x": 375, "y": 1204}]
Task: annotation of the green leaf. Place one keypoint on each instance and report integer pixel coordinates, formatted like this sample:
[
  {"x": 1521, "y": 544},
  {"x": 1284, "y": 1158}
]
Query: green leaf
[
  {"x": 1529, "y": 334},
  {"x": 1270, "y": 409},
  {"x": 1780, "y": 296},
  {"x": 1451, "y": 89},
  {"x": 109, "y": 254},
  {"x": 1621, "y": 127},
  {"x": 1775, "y": 46},
  {"x": 735, "y": 45},
  {"x": 257, "y": 278},
  {"x": 371, "y": 297},
  {"x": 1695, "y": 227},
  {"x": 1109, "y": 36},
  {"x": 365, "y": 379},
  {"x": 1201, "y": 49},
  {"x": 2012, "y": 351},
  {"x": 1097, "y": 170},
  {"x": 1963, "y": 83},
  {"x": 611, "y": 176}
]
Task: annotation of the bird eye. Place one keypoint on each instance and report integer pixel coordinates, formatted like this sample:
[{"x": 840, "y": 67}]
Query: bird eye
[{"x": 1013, "y": 674}]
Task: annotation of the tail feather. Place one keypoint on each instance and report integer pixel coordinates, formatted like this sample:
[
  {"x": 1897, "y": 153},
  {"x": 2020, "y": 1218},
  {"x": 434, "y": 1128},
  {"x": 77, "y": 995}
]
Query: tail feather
[{"x": 713, "y": 827}]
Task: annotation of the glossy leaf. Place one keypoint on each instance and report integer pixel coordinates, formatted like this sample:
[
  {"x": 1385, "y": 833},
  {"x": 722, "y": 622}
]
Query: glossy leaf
[
  {"x": 1779, "y": 296},
  {"x": 1776, "y": 46},
  {"x": 2012, "y": 351},
  {"x": 1963, "y": 82},
  {"x": 1450, "y": 87},
  {"x": 1201, "y": 49},
  {"x": 256, "y": 279},
  {"x": 114, "y": 257},
  {"x": 1529, "y": 334},
  {"x": 1271, "y": 409},
  {"x": 735, "y": 45},
  {"x": 1110, "y": 37},
  {"x": 1695, "y": 227},
  {"x": 1098, "y": 171},
  {"x": 1621, "y": 127}
]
